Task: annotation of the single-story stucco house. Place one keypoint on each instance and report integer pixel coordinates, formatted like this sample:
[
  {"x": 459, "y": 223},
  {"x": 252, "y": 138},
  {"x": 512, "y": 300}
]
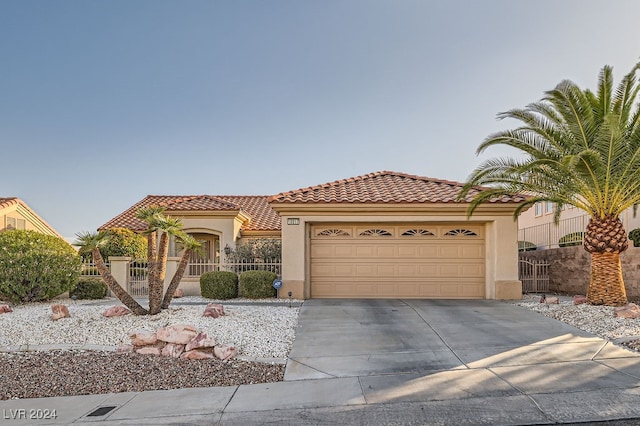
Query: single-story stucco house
[
  {"x": 16, "y": 214},
  {"x": 379, "y": 235}
]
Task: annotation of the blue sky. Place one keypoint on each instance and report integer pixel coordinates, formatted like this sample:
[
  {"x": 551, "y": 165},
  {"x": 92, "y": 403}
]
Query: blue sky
[{"x": 104, "y": 102}]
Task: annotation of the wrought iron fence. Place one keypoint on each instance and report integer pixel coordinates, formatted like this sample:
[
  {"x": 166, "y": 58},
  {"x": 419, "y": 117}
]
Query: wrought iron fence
[
  {"x": 138, "y": 282},
  {"x": 548, "y": 235},
  {"x": 89, "y": 269},
  {"x": 199, "y": 267},
  {"x": 534, "y": 275}
]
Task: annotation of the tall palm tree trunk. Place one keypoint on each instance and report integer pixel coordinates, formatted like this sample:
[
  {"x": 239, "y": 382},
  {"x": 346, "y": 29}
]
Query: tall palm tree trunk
[
  {"x": 175, "y": 280},
  {"x": 115, "y": 287},
  {"x": 607, "y": 285},
  {"x": 156, "y": 285},
  {"x": 605, "y": 239}
]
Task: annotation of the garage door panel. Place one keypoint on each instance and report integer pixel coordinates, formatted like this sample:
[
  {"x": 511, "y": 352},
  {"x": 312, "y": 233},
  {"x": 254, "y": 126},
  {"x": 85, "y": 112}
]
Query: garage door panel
[{"x": 414, "y": 265}]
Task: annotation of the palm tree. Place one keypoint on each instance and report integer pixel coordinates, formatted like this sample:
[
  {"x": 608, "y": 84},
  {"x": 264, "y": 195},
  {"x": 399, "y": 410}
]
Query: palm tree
[
  {"x": 168, "y": 226},
  {"x": 578, "y": 148},
  {"x": 190, "y": 245},
  {"x": 151, "y": 215},
  {"x": 91, "y": 243}
]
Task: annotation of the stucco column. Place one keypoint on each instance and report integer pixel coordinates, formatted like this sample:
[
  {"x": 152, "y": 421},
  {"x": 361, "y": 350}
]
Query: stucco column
[
  {"x": 293, "y": 260},
  {"x": 172, "y": 267},
  {"x": 119, "y": 266}
]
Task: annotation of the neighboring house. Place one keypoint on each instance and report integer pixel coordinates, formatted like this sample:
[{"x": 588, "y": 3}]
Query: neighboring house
[
  {"x": 536, "y": 226},
  {"x": 380, "y": 235},
  {"x": 16, "y": 214}
]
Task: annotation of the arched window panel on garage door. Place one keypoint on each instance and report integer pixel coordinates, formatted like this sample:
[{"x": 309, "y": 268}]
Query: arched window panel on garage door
[
  {"x": 417, "y": 232},
  {"x": 332, "y": 232},
  {"x": 375, "y": 232},
  {"x": 460, "y": 232}
]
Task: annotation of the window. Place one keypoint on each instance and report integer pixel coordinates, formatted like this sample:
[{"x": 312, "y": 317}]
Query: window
[
  {"x": 538, "y": 211},
  {"x": 15, "y": 223},
  {"x": 548, "y": 208}
]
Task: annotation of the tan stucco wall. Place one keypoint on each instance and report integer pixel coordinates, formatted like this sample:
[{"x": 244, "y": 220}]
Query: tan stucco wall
[
  {"x": 501, "y": 243},
  {"x": 226, "y": 228}
]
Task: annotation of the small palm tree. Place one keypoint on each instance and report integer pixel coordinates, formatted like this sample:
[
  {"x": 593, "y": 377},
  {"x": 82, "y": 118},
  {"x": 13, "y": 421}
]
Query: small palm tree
[
  {"x": 578, "y": 148},
  {"x": 151, "y": 215},
  {"x": 190, "y": 245},
  {"x": 91, "y": 243},
  {"x": 168, "y": 226}
]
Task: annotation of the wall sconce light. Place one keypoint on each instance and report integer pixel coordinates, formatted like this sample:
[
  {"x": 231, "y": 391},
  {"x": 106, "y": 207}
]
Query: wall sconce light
[
  {"x": 227, "y": 250},
  {"x": 293, "y": 221}
]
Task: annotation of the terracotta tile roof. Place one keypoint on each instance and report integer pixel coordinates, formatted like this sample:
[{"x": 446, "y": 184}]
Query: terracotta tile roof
[
  {"x": 383, "y": 187},
  {"x": 263, "y": 217},
  {"x": 8, "y": 201}
]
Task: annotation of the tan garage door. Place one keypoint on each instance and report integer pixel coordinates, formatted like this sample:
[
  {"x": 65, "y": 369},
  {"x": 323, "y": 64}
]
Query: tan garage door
[{"x": 398, "y": 261}]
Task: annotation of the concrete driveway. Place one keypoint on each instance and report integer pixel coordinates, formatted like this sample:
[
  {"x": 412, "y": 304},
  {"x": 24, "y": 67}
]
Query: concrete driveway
[
  {"x": 349, "y": 338},
  {"x": 405, "y": 351}
]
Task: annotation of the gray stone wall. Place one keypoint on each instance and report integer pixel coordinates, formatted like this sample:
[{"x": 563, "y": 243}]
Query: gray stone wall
[{"x": 570, "y": 268}]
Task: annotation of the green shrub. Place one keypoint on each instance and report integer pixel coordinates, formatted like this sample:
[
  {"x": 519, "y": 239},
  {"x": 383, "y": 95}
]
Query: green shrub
[
  {"x": 90, "y": 288},
  {"x": 572, "y": 239},
  {"x": 257, "y": 284},
  {"x": 635, "y": 237},
  {"x": 35, "y": 267},
  {"x": 220, "y": 285},
  {"x": 526, "y": 246},
  {"x": 123, "y": 242}
]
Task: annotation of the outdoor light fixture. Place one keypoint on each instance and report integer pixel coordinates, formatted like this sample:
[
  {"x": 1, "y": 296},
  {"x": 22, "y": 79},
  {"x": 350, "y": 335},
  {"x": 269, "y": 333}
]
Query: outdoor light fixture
[
  {"x": 227, "y": 250},
  {"x": 293, "y": 221}
]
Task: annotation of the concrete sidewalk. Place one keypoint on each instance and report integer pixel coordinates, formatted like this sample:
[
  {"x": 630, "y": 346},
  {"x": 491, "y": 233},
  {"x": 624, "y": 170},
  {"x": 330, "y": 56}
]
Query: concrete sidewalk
[{"x": 396, "y": 362}]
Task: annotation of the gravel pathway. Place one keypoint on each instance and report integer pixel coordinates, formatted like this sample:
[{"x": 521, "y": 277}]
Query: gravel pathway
[{"x": 263, "y": 332}]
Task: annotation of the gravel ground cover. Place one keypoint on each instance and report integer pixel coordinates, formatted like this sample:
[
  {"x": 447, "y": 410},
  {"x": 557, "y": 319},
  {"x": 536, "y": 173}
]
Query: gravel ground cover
[
  {"x": 598, "y": 320},
  {"x": 263, "y": 331}
]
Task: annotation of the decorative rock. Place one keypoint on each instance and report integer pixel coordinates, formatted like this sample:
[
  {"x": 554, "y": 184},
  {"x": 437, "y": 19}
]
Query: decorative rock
[
  {"x": 5, "y": 309},
  {"x": 178, "y": 293},
  {"x": 630, "y": 311},
  {"x": 202, "y": 340},
  {"x": 196, "y": 354},
  {"x": 180, "y": 334},
  {"x": 143, "y": 337},
  {"x": 59, "y": 311},
  {"x": 149, "y": 350},
  {"x": 214, "y": 310},
  {"x": 173, "y": 350},
  {"x": 579, "y": 299},
  {"x": 549, "y": 300},
  {"x": 116, "y": 311},
  {"x": 225, "y": 352}
]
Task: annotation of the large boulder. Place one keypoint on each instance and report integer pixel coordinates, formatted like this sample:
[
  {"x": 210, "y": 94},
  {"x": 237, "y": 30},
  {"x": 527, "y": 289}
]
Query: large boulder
[
  {"x": 178, "y": 293},
  {"x": 196, "y": 354},
  {"x": 202, "y": 340},
  {"x": 173, "y": 350},
  {"x": 59, "y": 311},
  {"x": 179, "y": 333},
  {"x": 149, "y": 350},
  {"x": 225, "y": 352},
  {"x": 143, "y": 337}
]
